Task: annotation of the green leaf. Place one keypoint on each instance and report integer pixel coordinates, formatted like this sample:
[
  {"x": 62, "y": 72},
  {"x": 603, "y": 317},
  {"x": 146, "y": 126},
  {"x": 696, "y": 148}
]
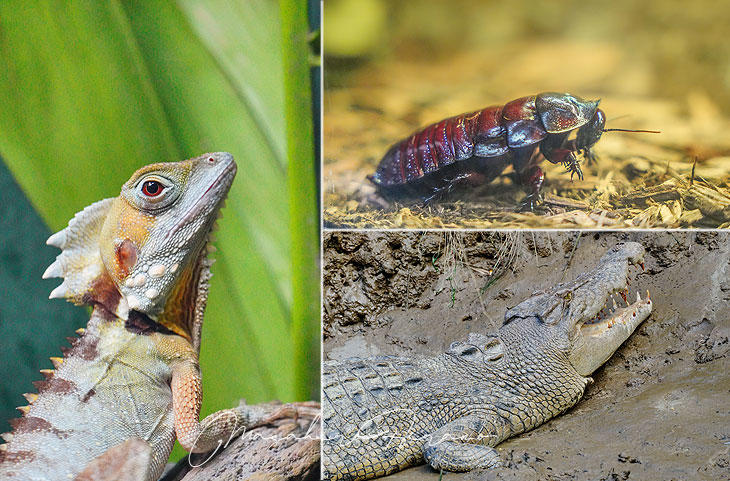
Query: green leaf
[
  {"x": 304, "y": 228},
  {"x": 91, "y": 91}
]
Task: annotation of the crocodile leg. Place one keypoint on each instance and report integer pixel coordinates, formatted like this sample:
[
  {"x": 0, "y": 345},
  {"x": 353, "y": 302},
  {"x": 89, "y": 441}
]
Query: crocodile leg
[{"x": 462, "y": 445}]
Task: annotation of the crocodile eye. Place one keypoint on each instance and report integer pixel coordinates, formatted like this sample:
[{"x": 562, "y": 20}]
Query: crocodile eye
[{"x": 152, "y": 188}]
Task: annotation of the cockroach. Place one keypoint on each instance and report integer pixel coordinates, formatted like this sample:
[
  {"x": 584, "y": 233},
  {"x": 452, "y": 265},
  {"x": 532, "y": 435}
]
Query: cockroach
[{"x": 476, "y": 147}]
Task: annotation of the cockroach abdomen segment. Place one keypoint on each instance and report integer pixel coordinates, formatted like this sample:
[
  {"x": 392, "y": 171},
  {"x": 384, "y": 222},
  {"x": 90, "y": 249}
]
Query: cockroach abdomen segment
[
  {"x": 442, "y": 143},
  {"x": 519, "y": 118},
  {"x": 410, "y": 163},
  {"x": 389, "y": 171},
  {"x": 461, "y": 137}
]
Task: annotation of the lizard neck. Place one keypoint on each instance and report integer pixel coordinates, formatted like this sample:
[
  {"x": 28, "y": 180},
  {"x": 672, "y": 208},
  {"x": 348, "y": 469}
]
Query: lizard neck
[{"x": 184, "y": 309}]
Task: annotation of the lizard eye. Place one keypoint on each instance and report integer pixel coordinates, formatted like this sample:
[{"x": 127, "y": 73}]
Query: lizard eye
[
  {"x": 152, "y": 188},
  {"x": 154, "y": 192}
]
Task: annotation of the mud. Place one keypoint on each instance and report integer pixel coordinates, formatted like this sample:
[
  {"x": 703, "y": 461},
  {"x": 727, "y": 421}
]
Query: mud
[{"x": 658, "y": 409}]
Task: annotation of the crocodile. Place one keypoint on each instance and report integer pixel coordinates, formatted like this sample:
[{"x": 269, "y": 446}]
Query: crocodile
[
  {"x": 386, "y": 413},
  {"x": 131, "y": 383}
]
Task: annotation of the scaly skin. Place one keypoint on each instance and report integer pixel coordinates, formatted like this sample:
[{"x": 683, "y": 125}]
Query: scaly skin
[
  {"x": 130, "y": 385},
  {"x": 384, "y": 414}
]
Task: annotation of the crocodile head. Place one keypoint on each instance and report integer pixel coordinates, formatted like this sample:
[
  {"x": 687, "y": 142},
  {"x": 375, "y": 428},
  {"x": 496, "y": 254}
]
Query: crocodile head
[
  {"x": 145, "y": 251},
  {"x": 583, "y": 317}
]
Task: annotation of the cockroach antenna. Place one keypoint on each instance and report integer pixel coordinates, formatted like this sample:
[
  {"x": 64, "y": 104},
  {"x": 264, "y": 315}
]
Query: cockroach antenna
[{"x": 628, "y": 130}]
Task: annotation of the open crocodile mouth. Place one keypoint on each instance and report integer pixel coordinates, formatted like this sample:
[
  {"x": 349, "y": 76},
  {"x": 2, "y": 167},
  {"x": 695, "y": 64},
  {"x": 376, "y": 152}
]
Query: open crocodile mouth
[
  {"x": 612, "y": 314},
  {"x": 597, "y": 337},
  {"x": 617, "y": 307}
]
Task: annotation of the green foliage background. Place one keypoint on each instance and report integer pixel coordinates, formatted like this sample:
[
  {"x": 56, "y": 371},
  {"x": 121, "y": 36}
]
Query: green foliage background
[{"x": 91, "y": 91}]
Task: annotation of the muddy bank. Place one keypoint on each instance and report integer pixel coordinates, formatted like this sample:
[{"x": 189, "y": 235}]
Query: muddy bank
[{"x": 658, "y": 409}]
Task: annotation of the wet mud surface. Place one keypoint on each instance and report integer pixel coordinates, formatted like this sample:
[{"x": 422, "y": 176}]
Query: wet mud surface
[{"x": 659, "y": 408}]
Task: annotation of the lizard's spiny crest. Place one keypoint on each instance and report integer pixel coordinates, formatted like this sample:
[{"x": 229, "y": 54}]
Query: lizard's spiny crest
[
  {"x": 128, "y": 253},
  {"x": 79, "y": 262}
]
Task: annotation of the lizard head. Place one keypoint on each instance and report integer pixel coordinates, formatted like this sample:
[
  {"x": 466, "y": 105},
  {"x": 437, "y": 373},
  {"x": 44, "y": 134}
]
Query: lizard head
[
  {"x": 146, "y": 250},
  {"x": 582, "y": 317}
]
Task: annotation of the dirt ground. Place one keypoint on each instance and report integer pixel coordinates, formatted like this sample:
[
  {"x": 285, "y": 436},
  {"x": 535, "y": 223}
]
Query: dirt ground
[
  {"x": 658, "y": 409},
  {"x": 654, "y": 65}
]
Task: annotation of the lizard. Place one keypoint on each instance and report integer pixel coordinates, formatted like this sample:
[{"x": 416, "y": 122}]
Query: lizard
[
  {"x": 384, "y": 414},
  {"x": 131, "y": 383}
]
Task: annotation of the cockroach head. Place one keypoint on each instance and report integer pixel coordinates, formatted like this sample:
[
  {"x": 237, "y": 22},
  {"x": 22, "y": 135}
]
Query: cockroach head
[{"x": 564, "y": 112}]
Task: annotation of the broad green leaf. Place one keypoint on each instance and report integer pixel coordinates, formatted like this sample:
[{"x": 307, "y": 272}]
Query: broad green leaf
[{"x": 304, "y": 228}]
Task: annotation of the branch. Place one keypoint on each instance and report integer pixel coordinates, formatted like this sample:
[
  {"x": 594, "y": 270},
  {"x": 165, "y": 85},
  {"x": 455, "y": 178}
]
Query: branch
[{"x": 287, "y": 449}]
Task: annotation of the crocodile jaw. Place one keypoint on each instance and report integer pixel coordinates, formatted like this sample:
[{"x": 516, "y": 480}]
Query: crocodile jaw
[
  {"x": 596, "y": 342},
  {"x": 572, "y": 303}
]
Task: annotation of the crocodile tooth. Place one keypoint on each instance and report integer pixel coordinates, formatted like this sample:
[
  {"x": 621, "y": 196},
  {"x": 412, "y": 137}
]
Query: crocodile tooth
[
  {"x": 59, "y": 292},
  {"x": 23, "y": 409},
  {"x": 638, "y": 297},
  {"x": 47, "y": 373},
  {"x": 614, "y": 303},
  {"x": 57, "y": 361},
  {"x": 7, "y": 437},
  {"x": 80, "y": 331},
  {"x": 58, "y": 239},
  {"x": 54, "y": 270},
  {"x": 30, "y": 396}
]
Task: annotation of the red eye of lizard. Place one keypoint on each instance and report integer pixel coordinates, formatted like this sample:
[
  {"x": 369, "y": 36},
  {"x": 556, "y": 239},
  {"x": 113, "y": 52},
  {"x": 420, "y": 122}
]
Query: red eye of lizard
[{"x": 152, "y": 188}]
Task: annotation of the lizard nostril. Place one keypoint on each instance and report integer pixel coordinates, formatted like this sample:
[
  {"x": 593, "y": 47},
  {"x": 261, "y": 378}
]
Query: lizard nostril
[{"x": 211, "y": 160}]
